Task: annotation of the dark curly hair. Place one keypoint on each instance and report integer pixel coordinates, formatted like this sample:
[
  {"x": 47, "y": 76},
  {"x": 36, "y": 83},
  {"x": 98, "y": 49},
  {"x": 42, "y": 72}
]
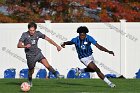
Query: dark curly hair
[
  {"x": 82, "y": 29},
  {"x": 32, "y": 24}
]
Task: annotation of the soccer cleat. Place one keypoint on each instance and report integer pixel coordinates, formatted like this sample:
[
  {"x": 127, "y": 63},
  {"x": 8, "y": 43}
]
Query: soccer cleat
[
  {"x": 57, "y": 75},
  {"x": 78, "y": 72},
  {"x": 30, "y": 83},
  {"x": 112, "y": 85}
]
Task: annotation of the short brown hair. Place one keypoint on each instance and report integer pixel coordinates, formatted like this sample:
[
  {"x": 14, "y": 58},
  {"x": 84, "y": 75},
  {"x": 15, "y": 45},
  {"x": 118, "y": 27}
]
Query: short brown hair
[{"x": 32, "y": 24}]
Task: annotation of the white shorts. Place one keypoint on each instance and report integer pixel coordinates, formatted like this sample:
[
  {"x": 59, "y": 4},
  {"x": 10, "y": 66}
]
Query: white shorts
[{"x": 87, "y": 60}]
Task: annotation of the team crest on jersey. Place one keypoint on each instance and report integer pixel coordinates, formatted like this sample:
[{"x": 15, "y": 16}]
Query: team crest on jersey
[
  {"x": 33, "y": 42},
  {"x": 83, "y": 46},
  {"x": 85, "y": 43}
]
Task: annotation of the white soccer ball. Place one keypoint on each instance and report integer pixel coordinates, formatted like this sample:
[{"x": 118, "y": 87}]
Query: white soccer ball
[{"x": 25, "y": 87}]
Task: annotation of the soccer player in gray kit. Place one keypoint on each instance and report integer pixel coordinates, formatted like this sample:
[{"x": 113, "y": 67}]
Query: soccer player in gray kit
[{"x": 29, "y": 41}]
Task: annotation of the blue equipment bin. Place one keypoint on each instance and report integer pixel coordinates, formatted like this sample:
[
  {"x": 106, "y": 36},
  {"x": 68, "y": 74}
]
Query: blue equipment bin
[
  {"x": 42, "y": 73},
  {"x": 24, "y": 73},
  {"x": 85, "y": 75},
  {"x": 138, "y": 74},
  {"x": 72, "y": 73},
  {"x": 110, "y": 75},
  {"x": 10, "y": 73}
]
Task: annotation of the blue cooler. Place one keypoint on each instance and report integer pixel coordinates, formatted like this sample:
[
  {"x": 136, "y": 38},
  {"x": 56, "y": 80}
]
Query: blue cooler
[
  {"x": 138, "y": 74},
  {"x": 85, "y": 75},
  {"x": 23, "y": 73},
  {"x": 42, "y": 73},
  {"x": 110, "y": 75},
  {"x": 72, "y": 73},
  {"x": 10, "y": 73}
]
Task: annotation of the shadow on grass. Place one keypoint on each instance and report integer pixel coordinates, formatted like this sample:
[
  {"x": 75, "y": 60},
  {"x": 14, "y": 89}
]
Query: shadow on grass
[
  {"x": 14, "y": 83},
  {"x": 80, "y": 84},
  {"x": 17, "y": 84},
  {"x": 72, "y": 84}
]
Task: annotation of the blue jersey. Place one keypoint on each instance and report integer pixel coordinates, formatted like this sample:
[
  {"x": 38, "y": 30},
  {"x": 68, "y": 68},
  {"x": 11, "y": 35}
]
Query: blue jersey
[{"x": 83, "y": 47}]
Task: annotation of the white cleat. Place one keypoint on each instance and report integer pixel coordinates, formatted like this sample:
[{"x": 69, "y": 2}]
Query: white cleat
[
  {"x": 30, "y": 83},
  {"x": 112, "y": 85}
]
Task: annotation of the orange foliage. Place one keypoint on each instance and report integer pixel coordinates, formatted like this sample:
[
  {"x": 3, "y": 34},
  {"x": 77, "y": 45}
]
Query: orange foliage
[
  {"x": 60, "y": 11},
  {"x": 5, "y": 19}
]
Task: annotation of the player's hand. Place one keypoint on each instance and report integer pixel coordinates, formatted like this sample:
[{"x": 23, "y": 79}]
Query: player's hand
[
  {"x": 58, "y": 48},
  {"x": 111, "y": 52},
  {"x": 63, "y": 45},
  {"x": 28, "y": 46}
]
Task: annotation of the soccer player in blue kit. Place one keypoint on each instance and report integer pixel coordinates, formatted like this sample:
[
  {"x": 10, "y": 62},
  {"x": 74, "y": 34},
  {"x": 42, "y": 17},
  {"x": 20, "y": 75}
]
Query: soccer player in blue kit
[
  {"x": 29, "y": 41},
  {"x": 83, "y": 46}
]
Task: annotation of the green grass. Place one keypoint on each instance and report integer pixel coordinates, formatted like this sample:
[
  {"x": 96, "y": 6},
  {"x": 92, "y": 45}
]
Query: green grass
[{"x": 71, "y": 86}]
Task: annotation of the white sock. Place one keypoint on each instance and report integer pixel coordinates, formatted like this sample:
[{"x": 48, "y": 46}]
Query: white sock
[{"x": 107, "y": 81}]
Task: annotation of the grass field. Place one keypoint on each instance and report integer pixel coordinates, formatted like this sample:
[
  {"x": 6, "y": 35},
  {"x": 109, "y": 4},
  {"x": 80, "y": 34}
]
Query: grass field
[{"x": 71, "y": 86}]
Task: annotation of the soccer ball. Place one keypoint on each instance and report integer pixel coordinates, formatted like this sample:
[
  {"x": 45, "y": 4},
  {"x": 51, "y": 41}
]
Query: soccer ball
[{"x": 25, "y": 87}]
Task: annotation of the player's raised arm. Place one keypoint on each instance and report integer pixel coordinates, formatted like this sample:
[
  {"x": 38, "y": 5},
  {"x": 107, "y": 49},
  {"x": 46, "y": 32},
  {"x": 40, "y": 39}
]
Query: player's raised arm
[
  {"x": 66, "y": 43},
  {"x": 104, "y": 49},
  {"x": 52, "y": 42}
]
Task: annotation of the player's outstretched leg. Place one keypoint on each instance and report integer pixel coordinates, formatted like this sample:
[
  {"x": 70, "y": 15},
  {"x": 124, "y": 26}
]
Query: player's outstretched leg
[
  {"x": 93, "y": 67},
  {"x": 30, "y": 72},
  {"x": 79, "y": 71},
  {"x": 49, "y": 67}
]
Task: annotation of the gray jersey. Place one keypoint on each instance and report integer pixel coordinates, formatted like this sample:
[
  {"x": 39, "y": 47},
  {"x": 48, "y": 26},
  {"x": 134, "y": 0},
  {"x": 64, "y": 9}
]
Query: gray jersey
[{"x": 26, "y": 38}]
